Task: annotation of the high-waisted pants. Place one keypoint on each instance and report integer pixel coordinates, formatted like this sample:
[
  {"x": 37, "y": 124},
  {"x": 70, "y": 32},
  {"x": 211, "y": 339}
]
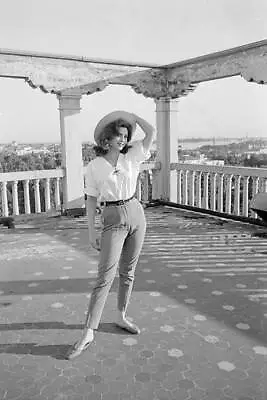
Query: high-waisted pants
[{"x": 122, "y": 239}]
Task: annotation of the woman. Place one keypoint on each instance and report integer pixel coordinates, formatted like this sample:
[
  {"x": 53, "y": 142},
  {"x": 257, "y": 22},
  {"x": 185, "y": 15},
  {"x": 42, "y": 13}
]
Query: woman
[{"x": 112, "y": 177}]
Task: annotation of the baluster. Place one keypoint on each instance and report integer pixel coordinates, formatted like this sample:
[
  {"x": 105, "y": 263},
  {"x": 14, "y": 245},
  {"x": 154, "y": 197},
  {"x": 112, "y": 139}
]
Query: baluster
[
  {"x": 37, "y": 196},
  {"x": 146, "y": 185},
  {"x": 139, "y": 189},
  {"x": 255, "y": 190},
  {"x": 264, "y": 185},
  {"x": 213, "y": 191},
  {"x": 150, "y": 183},
  {"x": 255, "y": 185},
  {"x": 173, "y": 186},
  {"x": 220, "y": 192},
  {"x": 245, "y": 195},
  {"x": 155, "y": 190},
  {"x": 47, "y": 194},
  {"x": 260, "y": 185},
  {"x": 198, "y": 189},
  {"x": 27, "y": 204},
  {"x": 57, "y": 194},
  {"x": 4, "y": 199},
  {"x": 185, "y": 187},
  {"x": 237, "y": 195},
  {"x": 192, "y": 188},
  {"x": 179, "y": 186},
  {"x": 206, "y": 191},
  {"x": 15, "y": 198},
  {"x": 228, "y": 208}
]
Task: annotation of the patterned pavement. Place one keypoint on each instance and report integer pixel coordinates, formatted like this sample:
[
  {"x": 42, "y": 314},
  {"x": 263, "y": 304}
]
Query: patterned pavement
[{"x": 200, "y": 299}]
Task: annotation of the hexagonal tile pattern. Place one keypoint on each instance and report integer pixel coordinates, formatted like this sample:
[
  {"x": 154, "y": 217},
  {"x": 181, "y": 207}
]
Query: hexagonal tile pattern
[{"x": 199, "y": 299}]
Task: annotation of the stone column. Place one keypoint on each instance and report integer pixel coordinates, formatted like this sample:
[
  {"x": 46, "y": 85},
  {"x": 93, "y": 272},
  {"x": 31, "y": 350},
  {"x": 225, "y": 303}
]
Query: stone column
[
  {"x": 167, "y": 146},
  {"x": 71, "y": 147}
]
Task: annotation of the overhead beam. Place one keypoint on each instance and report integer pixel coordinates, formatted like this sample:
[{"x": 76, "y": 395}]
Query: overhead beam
[
  {"x": 227, "y": 63},
  {"x": 61, "y": 73},
  {"x": 54, "y": 73},
  {"x": 178, "y": 79}
]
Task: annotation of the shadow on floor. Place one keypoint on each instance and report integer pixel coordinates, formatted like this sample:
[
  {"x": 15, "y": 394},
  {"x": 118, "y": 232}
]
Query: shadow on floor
[
  {"x": 58, "y": 351},
  {"x": 213, "y": 283}
]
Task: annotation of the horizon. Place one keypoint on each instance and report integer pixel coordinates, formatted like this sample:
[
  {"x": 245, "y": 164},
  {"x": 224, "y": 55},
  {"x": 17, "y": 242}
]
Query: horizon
[{"x": 196, "y": 138}]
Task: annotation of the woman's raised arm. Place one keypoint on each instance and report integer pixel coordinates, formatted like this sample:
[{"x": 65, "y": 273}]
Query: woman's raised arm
[{"x": 148, "y": 131}]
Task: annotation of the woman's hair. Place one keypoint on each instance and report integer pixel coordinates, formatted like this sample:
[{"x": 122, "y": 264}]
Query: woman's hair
[{"x": 110, "y": 131}]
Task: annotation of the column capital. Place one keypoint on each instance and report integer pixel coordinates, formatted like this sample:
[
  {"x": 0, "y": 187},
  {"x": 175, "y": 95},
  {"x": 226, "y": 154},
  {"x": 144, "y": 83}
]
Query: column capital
[
  {"x": 69, "y": 102},
  {"x": 158, "y": 85},
  {"x": 166, "y": 104}
]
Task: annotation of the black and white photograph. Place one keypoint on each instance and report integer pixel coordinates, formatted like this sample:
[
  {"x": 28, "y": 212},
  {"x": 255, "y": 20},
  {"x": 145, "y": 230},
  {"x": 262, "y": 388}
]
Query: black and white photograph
[{"x": 133, "y": 200}]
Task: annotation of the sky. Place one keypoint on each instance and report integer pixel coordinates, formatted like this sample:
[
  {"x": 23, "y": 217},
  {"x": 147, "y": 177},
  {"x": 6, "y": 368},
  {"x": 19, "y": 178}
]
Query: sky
[{"x": 148, "y": 31}]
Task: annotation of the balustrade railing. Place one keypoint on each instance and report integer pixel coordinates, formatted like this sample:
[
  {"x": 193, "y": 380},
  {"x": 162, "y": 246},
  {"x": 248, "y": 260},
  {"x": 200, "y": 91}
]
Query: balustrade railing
[
  {"x": 33, "y": 192},
  {"x": 225, "y": 189},
  {"x": 27, "y": 192},
  {"x": 146, "y": 184}
]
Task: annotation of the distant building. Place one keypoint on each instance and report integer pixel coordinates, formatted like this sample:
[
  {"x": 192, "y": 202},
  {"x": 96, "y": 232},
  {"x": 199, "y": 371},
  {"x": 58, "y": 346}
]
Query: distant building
[
  {"x": 24, "y": 150},
  {"x": 201, "y": 159}
]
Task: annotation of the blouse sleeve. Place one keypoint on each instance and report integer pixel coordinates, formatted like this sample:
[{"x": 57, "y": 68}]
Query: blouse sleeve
[
  {"x": 137, "y": 152},
  {"x": 91, "y": 187}
]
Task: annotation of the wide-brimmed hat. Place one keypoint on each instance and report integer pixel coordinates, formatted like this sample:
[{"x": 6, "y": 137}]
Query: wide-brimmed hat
[{"x": 111, "y": 117}]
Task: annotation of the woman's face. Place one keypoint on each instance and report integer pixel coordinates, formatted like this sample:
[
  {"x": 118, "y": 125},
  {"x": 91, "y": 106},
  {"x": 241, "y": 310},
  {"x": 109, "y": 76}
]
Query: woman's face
[{"x": 119, "y": 141}]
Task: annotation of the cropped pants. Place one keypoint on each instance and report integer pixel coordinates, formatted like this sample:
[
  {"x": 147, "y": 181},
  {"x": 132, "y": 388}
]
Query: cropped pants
[{"x": 122, "y": 239}]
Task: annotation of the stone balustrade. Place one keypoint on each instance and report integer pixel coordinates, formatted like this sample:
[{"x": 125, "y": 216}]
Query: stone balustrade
[
  {"x": 33, "y": 192},
  {"x": 28, "y": 192},
  {"x": 225, "y": 189}
]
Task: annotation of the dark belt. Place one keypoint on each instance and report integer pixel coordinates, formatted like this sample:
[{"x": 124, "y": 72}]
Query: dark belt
[{"x": 115, "y": 202}]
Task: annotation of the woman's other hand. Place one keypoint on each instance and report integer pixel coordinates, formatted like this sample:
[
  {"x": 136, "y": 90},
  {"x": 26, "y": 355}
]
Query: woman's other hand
[
  {"x": 91, "y": 205},
  {"x": 95, "y": 242}
]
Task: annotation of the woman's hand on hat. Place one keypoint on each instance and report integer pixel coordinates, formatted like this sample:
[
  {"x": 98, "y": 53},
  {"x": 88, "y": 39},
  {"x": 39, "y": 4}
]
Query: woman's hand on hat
[{"x": 135, "y": 117}]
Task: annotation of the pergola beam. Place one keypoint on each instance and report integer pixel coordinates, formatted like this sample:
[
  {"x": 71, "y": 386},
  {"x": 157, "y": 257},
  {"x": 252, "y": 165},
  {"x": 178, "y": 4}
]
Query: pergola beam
[
  {"x": 62, "y": 73},
  {"x": 232, "y": 62},
  {"x": 177, "y": 79},
  {"x": 55, "y": 73}
]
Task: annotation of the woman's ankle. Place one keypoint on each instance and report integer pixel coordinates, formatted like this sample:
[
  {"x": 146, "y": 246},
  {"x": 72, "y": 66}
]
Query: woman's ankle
[
  {"x": 88, "y": 332},
  {"x": 121, "y": 315}
]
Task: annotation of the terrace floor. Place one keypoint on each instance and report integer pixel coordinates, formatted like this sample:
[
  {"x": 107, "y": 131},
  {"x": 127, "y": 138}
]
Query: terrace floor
[{"x": 200, "y": 298}]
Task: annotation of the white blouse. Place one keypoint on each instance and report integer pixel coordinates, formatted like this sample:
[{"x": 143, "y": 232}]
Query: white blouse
[{"x": 107, "y": 183}]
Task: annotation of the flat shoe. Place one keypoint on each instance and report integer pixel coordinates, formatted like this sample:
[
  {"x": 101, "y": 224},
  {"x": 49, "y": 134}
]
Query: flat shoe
[
  {"x": 131, "y": 328},
  {"x": 77, "y": 350}
]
